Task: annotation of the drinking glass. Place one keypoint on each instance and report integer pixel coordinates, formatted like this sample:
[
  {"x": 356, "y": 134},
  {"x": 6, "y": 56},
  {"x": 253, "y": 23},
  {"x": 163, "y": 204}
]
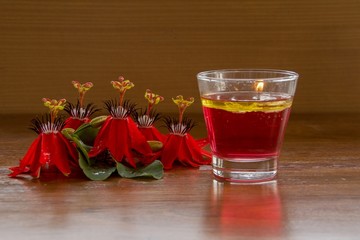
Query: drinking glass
[{"x": 246, "y": 113}]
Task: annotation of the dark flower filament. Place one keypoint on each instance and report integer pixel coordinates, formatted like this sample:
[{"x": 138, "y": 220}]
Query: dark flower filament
[
  {"x": 44, "y": 124},
  {"x": 143, "y": 119},
  {"x": 176, "y": 127},
  {"x": 120, "y": 111},
  {"x": 76, "y": 111}
]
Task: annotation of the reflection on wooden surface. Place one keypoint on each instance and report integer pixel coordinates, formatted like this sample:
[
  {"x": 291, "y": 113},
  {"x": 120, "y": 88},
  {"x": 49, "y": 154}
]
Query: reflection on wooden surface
[{"x": 252, "y": 210}]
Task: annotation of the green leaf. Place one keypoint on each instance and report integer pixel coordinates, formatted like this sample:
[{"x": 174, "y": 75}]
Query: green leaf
[
  {"x": 153, "y": 170},
  {"x": 87, "y": 133},
  {"x": 94, "y": 172},
  {"x": 82, "y": 148},
  {"x": 92, "y": 169}
]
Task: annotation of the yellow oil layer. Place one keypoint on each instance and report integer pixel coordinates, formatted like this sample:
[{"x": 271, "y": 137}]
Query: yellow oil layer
[{"x": 247, "y": 106}]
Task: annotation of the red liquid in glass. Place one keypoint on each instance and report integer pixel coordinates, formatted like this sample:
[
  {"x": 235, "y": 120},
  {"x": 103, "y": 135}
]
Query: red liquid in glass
[{"x": 246, "y": 129}]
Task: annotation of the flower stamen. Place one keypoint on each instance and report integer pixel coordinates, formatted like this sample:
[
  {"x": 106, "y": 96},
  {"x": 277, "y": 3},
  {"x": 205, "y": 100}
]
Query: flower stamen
[
  {"x": 54, "y": 106},
  {"x": 182, "y": 105},
  {"x": 122, "y": 86},
  {"x": 152, "y": 99},
  {"x": 82, "y": 89}
]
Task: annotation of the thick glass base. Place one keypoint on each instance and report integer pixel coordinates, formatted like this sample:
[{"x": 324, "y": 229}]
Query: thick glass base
[{"x": 245, "y": 169}]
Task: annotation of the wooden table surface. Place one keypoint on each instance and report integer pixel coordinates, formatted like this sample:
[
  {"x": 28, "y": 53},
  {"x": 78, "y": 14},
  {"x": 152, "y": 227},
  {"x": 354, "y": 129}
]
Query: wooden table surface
[{"x": 316, "y": 194}]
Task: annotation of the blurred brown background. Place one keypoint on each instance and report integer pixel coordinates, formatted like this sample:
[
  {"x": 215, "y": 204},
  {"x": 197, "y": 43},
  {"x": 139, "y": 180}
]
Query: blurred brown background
[{"x": 163, "y": 44}]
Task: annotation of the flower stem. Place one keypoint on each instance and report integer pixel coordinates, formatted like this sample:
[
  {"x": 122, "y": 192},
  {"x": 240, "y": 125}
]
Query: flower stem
[
  {"x": 181, "y": 113},
  {"x": 52, "y": 117},
  {"x": 149, "y": 109},
  {"x": 81, "y": 99},
  {"x": 121, "y": 98}
]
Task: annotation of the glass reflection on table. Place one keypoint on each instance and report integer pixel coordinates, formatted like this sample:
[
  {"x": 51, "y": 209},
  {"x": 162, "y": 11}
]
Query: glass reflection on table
[{"x": 248, "y": 210}]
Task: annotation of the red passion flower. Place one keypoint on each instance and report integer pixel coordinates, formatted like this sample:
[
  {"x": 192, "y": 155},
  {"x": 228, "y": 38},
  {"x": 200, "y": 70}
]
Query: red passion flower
[
  {"x": 119, "y": 134},
  {"x": 180, "y": 145},
  {"x": 50, "y": 150}
]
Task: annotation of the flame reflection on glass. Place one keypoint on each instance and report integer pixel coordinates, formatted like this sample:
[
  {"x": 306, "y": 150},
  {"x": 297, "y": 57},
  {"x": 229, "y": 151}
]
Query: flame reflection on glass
[{"x": 259, "y": 86}]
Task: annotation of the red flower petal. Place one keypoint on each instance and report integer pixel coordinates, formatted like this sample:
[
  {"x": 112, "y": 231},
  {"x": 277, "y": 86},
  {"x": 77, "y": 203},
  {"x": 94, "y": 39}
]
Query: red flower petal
[
  {"x": 73, "y": 154},
  {"x": 30, "y": 156},
  {"x": 121, "y": 145},
  {"x": 196, "y": 151},
  {"x": 202, "y": 142},
  {"x": 48, "y": 151},
  {"x": 151, "y": 133},
  {"x": 138, "y": 141},
  {"x": 101, "y": 138},
  {"x": 185, "y": 149},
  {"x": 194, "y": 158},
  {"x": 120, "y": 136},
  {"x": 184, "y": 155},
  {"x": 75, "y": 123},
  {"x": 170, "y": 150},
  {"x": 58, "y": 153}
]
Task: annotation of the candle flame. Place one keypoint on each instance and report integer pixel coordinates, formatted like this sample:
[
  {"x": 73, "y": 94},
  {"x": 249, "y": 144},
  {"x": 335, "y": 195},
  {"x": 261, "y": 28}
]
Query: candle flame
[{"x": 259, "y": 86}]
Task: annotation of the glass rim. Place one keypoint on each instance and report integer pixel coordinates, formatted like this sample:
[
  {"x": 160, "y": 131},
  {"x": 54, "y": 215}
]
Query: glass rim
[{"x": 286, "y": 75}]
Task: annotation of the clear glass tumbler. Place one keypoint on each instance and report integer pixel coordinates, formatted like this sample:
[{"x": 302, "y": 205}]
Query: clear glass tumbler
[{"x": 246, "y": 113}]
